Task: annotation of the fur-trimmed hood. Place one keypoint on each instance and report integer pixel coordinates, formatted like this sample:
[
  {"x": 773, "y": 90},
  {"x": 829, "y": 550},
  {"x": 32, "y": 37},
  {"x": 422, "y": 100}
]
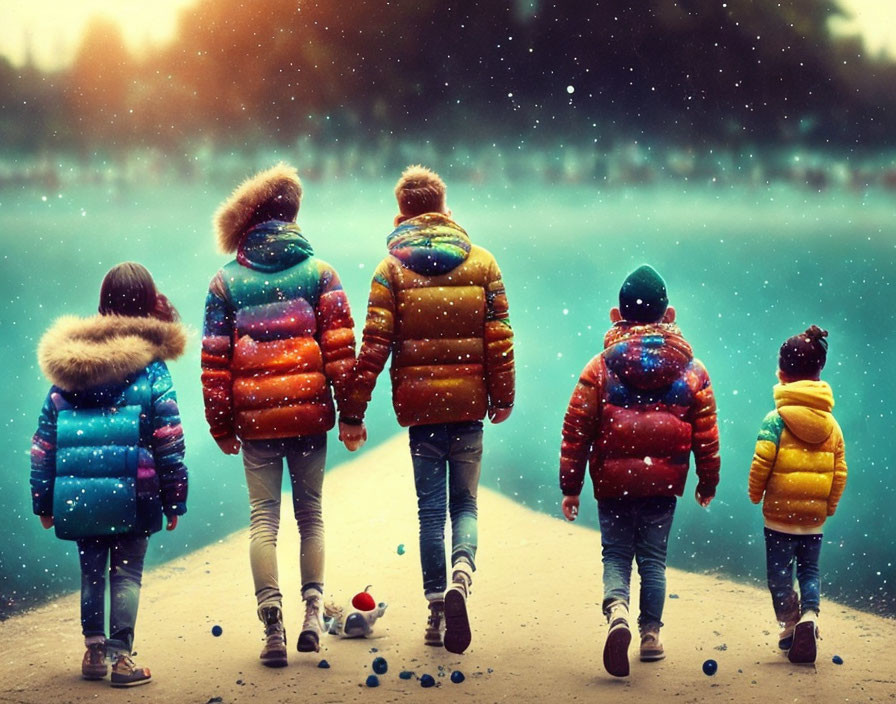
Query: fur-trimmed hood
[
  {"x": 262, "y": 197},
  {"x": 77, "y": 354}
]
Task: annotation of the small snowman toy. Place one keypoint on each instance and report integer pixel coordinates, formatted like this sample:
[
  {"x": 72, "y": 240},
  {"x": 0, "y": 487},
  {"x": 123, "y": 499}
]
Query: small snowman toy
[{"x": 355, "y": 621}]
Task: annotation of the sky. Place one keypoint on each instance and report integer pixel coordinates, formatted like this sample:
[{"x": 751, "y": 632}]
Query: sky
[{"x": 53, "y": 28}]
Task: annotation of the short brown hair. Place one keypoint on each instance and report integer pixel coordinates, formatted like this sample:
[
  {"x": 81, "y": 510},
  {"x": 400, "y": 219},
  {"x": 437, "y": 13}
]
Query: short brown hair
[
  {"x": 803, "y": 356},
  {"x": 128, "y": 289},
  {"x": 420, "y": 190}
]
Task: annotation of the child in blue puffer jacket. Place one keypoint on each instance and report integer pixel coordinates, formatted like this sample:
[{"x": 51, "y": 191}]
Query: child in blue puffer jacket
[{"x": 107, "y": 457}]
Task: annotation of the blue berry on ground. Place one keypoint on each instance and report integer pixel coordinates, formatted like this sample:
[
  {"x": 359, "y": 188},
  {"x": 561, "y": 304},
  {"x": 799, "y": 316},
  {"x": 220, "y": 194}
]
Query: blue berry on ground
[
  {"x": 837, "y": 660},
  {"x": 373, "y": 681},
  {"x": 710, "y": 667},
  {"x": 217, "y": 630},
  {"x": 427, "y": 681},
  {"x": 457, "y": 677},
  {"x": 405, "y": 674},
  {"x": 323, "y": 664},
  {"x": 380, "y": 666}
]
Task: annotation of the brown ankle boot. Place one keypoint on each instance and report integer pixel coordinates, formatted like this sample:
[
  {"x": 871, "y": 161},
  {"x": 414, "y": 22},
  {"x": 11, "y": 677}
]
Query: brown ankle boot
[
  {"x": 651, "y": 647},
  {"x": 273, "y": 654},
  {"x": 435, "y": 624},
  {"x": 93, "y": 666},
  {"x": 126, "y": 674}
]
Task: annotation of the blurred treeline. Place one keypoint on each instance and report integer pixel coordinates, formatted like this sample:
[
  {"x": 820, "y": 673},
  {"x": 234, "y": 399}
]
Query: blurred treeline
[{"x": 242, "y": 72}]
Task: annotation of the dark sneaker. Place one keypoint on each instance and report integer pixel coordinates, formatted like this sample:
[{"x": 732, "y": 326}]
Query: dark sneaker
[
  {"x": 93, "y": 666},
  {"x": 126, "y": 674},
  {"x": 618, "y": 640},
  {"x": 434, "y": 624},
  {"x": 273, "y": 654},
  {"x": 457, "y": 622},
  {"x": 804, "y": 647},
  {"x": 651, "y": 647}
]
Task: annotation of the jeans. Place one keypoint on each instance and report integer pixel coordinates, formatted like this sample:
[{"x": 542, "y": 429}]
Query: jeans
[
  {"x": 124, "y": 556},
  {"x": 781, "y": 550},
  {"x": 305, "y": 458},
  {"x": 447, "y": 458},
  {"x": 636, "y": 528}
]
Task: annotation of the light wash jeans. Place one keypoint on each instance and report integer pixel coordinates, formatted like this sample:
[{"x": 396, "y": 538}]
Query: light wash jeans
[
  {"x": 305, "y": 458},
  {"x": 447, "y": 459},
  {"x": 636, "y": 528},
  {"x": 123, "y": 554}
]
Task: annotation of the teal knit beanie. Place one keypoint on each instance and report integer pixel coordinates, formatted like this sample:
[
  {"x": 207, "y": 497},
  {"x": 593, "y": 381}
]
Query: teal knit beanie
[{"x": 642, "y": 298}]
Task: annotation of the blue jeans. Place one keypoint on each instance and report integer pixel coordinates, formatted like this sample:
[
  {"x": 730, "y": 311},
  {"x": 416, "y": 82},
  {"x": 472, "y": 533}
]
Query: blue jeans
[
  {"x": 781, "y": 551},
  {"x": 636, "y": 528},
  {"x": 305, "y": 458},
  {"x": 124, "y": 555},
  {"x": 447, "y": 458}
]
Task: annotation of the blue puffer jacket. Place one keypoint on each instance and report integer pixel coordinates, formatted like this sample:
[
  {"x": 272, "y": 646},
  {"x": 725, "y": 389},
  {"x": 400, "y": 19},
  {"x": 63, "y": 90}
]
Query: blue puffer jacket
[{"x": 107, "y": 457}]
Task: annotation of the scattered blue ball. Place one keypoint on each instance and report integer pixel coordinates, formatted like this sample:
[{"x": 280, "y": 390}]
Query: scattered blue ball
[
  {"x": 380, "y": 666},
  {"x": 837, "y": 660},
  {"x": 405, "y": 674},
  {"x": 324, "y": 665},
  {"x": 710, "y": 667},
  {"x": 217, "y": 630},
  {"x": 427, "y": 681},
  {"x": 400, "y": 550},
  {"x": 457, "y": 677},
  {"x": 373, "y": 681}
]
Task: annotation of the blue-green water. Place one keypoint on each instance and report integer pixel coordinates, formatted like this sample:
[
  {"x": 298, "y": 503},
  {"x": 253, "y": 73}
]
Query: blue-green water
[{"x": 744, "y": 268}]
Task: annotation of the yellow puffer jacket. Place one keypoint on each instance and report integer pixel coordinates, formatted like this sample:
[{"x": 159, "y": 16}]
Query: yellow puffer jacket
[{"x": 799, "y": 463}]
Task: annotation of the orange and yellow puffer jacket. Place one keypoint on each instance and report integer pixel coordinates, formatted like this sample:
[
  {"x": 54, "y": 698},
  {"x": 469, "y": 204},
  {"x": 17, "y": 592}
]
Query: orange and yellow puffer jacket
[
  {"x": 437, "y": 305},
  {"x": 799, "y": 463},
  {"x": 277, "y": 336}
]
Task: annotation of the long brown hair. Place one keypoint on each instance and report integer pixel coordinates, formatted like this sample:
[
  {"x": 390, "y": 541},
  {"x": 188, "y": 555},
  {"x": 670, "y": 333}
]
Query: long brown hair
[{"x": 128, "y": 289}]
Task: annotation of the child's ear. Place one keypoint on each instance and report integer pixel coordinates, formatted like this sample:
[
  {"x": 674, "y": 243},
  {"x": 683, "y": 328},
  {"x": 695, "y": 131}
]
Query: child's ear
[
  {"x": 400, "y": 219},
  {"x": 669, "y": 315},
  {"x": 615, "y": 315}
]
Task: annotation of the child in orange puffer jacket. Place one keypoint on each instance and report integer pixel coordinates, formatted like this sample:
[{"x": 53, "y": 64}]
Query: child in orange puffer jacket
[{"x": 800, "y": 468}]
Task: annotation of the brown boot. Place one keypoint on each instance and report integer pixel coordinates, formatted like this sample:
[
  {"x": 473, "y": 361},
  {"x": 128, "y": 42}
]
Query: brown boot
[
  {"x": 651, "y": 647},
  {"x": 126, "y": 674},
  {"x": 435, "y": 624},
  {"x": 274, "y": 652},
  {"x": 93, "y": 666},
  {"x": 312, "y": 626}
]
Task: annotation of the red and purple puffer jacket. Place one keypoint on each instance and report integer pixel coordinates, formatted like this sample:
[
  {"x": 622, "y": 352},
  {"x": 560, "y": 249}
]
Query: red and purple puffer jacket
[{"x": 638, "y": 411}]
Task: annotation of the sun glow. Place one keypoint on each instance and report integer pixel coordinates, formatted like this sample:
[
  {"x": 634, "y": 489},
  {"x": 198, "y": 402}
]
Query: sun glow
[{"x": 49, "y": 32}]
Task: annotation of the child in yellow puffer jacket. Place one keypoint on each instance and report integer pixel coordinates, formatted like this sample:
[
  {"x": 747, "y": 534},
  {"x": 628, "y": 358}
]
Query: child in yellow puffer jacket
[{"x": 800, "y": 467}]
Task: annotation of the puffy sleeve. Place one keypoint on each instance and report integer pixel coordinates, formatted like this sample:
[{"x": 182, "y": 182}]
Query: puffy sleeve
[
  {"x": 765, "y": 454},
  {"x": 43, "y": 458},
  {"x": 168, "y": 441},
  {"x": 217, "y": 351},
  {"x": 839, "y": 483},
  {"x": 499, "y": 364},
  {"x": 335, "y": 333},
  {"x": 705, "y": 433},
  {"x": 580, "y": 427},
  {"x": 376, "y": 343}
]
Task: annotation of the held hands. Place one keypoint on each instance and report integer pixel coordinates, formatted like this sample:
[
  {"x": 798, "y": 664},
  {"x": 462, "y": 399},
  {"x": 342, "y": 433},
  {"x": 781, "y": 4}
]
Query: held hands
[
  {"x": 570, "y": 506},
  {"x": 46, "y": 522},
  {"x": 172, "y": 523},
  {"x": 704, "y": 501},
  {"x": 352, "y": 436},
  {"x": 499, "y": 415},
  {"x": 229, "y": 446}
]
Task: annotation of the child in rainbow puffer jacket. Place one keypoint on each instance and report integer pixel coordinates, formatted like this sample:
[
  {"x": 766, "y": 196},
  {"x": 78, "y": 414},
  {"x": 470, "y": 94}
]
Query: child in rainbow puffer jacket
[
  {"x": 277, "y": 347},
  {"x": 638, "y": 411},
  {"x": 799, "y": 467}
]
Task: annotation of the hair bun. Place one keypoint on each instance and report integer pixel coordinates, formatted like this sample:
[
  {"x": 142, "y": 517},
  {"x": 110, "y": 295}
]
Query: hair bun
[{"x": 815, "y": 333}]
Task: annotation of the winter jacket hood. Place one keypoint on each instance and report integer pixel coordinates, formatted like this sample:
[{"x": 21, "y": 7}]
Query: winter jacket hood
[
  {"x": 273, "y": 246},
  {"x": 646, "y": 356},
  {"x": 77, "y": 354},
  {"x": 429, "y": 244},
  {"x": 805, "y": 407},
  {"x": 279, "y": 185}
]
